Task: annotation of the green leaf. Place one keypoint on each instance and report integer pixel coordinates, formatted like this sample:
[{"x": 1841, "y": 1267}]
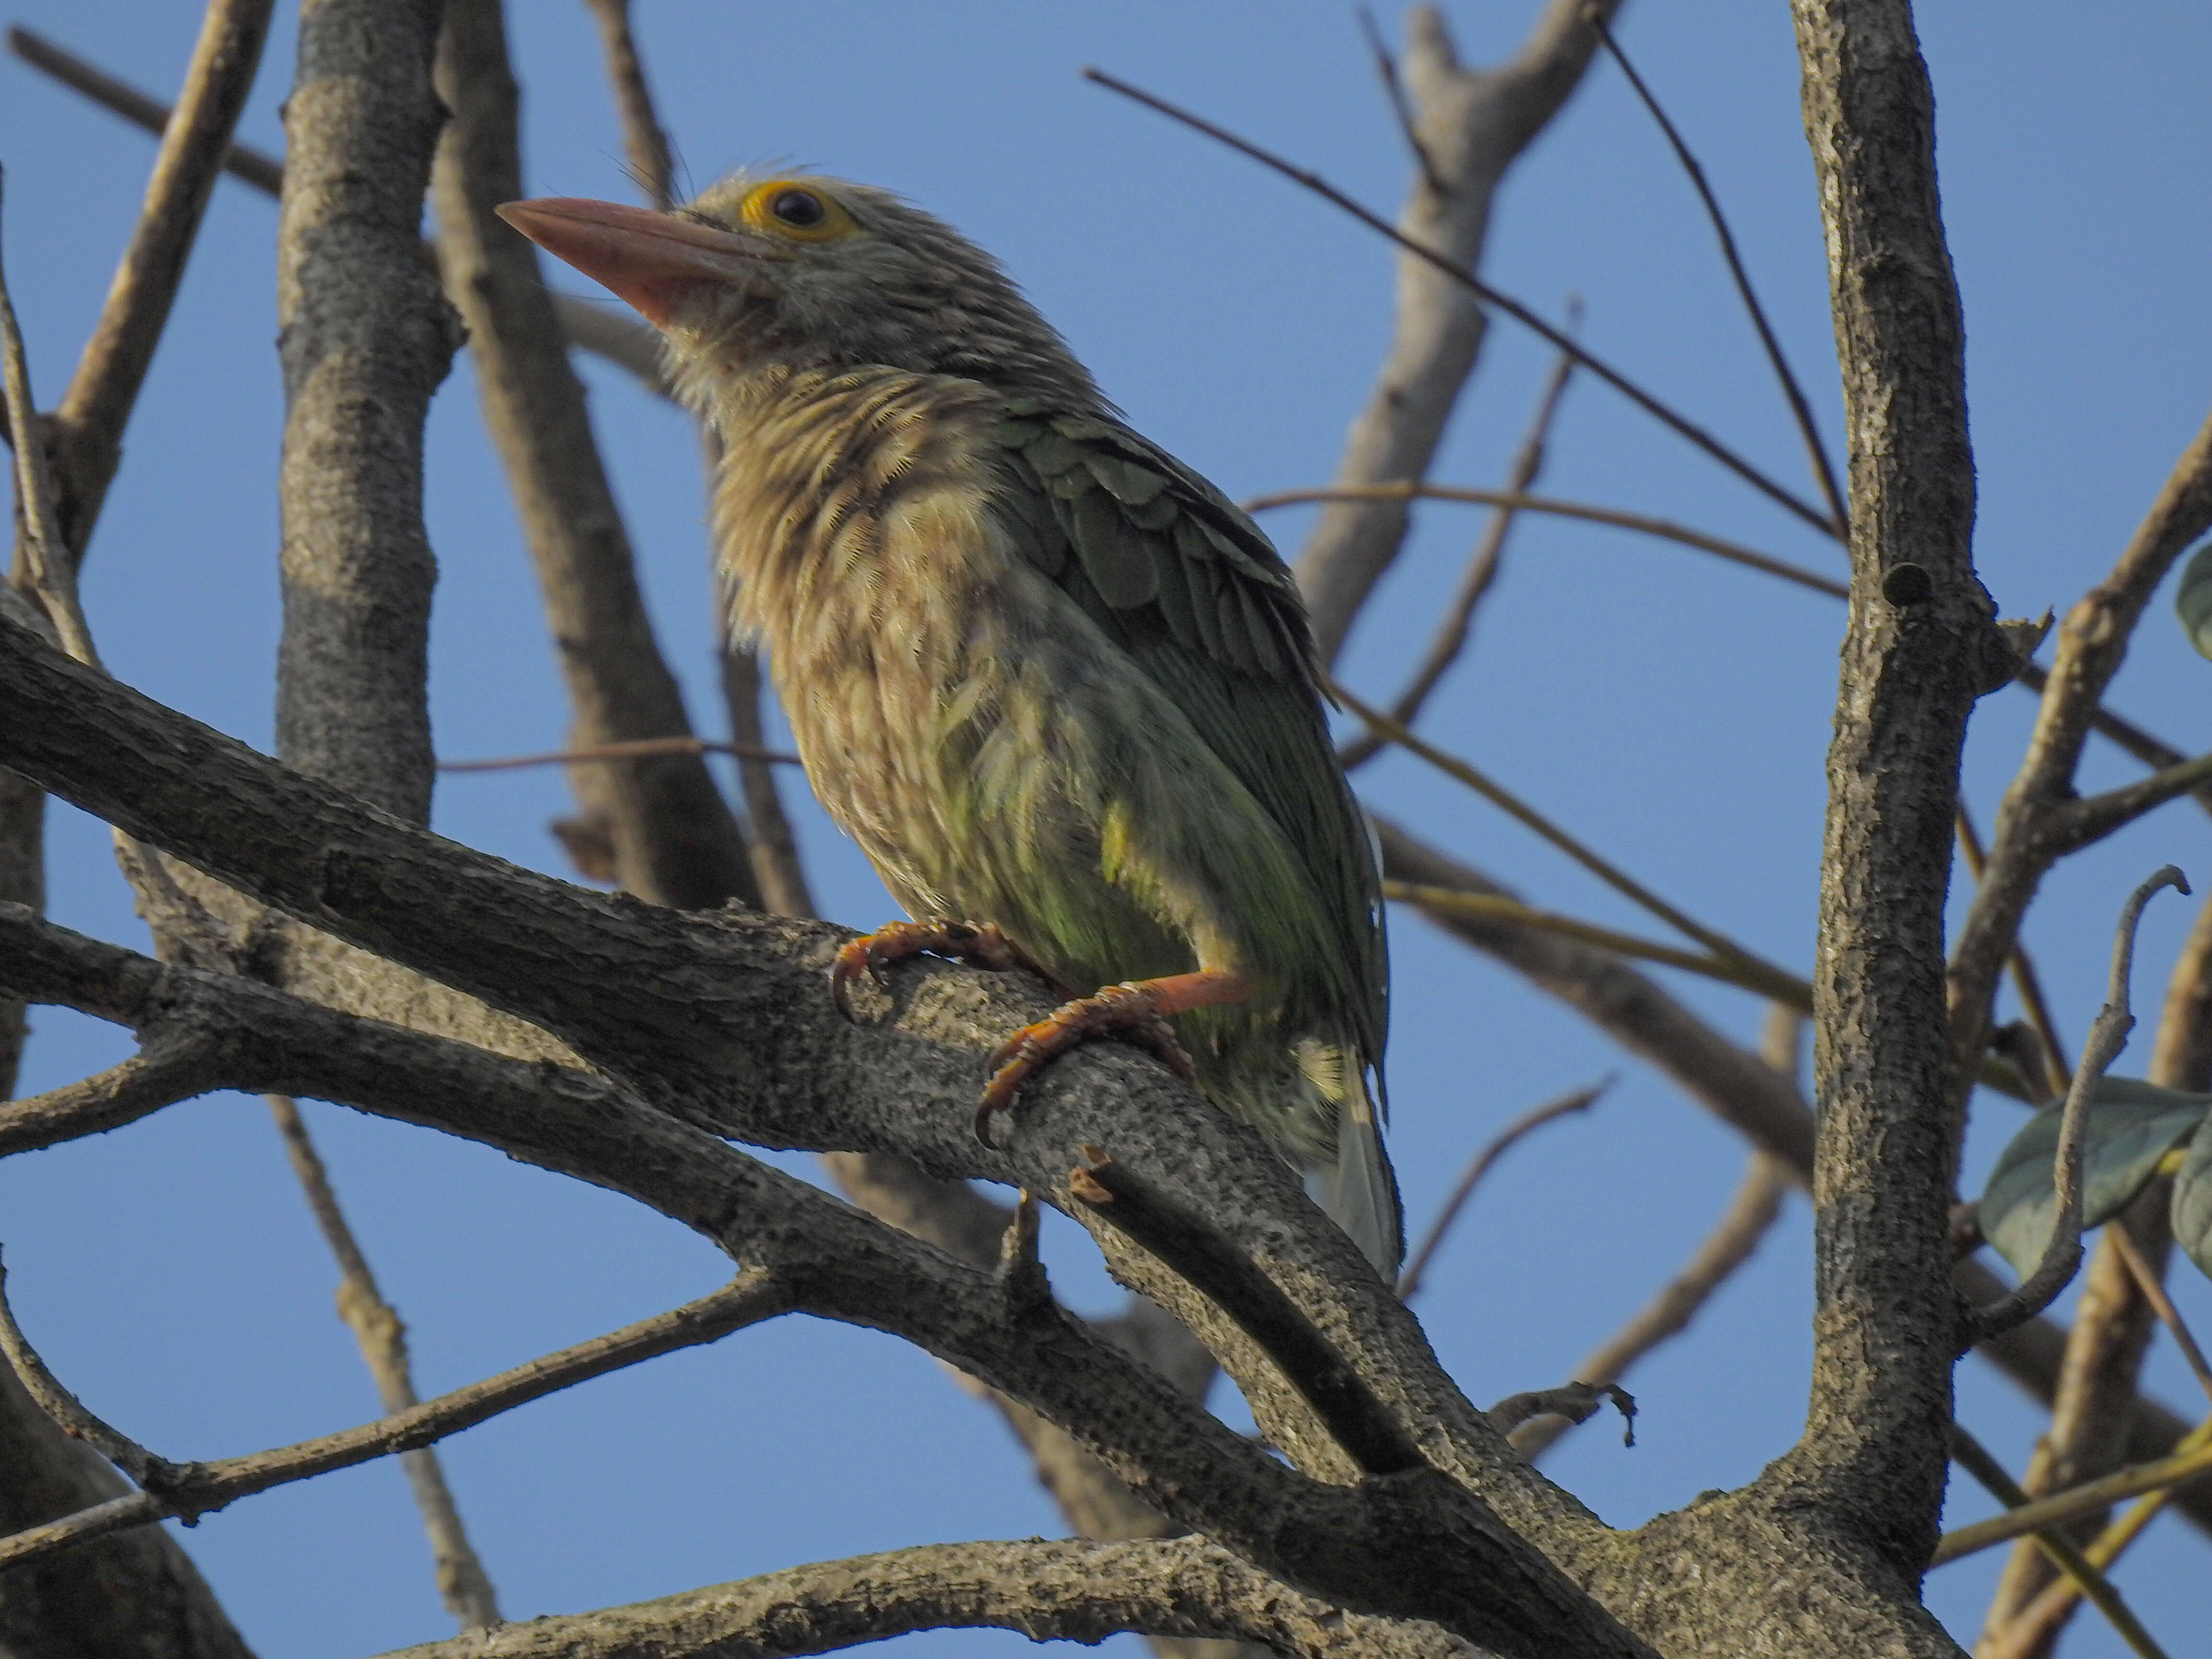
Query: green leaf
[
  {"x": 2192, "y": 1198},
  {"x": 2192, "y": 600},
  {"x": 2132, "y": 1125}
]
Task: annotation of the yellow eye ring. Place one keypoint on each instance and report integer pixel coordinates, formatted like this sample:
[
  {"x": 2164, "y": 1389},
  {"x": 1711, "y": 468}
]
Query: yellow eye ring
[{"x": 800, "y": 212}]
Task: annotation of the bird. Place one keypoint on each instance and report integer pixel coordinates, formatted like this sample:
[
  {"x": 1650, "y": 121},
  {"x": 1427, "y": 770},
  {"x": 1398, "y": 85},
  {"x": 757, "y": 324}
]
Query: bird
[{"x": 1058, "y": 688}]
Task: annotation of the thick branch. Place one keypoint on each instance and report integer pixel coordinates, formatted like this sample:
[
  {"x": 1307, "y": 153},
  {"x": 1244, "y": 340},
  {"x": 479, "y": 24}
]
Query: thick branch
[
  {"x": 1886, "y": 1312},
  {"x": 1068, "y": 1591}
]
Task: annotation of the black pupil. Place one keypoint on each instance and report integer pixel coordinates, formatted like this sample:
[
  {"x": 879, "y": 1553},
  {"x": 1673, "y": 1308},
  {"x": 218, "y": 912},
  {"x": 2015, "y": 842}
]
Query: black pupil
[{"x": 798, "y": 207}]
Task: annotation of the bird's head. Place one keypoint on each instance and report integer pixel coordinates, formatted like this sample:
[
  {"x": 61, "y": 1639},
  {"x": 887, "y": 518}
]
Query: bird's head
[{"x": 798, "y": 271}]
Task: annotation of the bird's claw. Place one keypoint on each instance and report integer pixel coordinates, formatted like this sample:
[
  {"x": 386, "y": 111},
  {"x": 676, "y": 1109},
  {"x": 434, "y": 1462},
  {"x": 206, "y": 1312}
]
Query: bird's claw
[
  {"x": 866, "y": 957},
  {"x": 1126, "y": 1009}
]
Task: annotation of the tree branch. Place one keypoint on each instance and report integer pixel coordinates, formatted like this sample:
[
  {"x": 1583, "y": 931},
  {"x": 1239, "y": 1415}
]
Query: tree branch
[
  {"x": 89, "y": 420},
  {"x": 1912, "y": 669},
  {"x": 1065, "y": 1591},
  {"x": 675, "y": 840}
]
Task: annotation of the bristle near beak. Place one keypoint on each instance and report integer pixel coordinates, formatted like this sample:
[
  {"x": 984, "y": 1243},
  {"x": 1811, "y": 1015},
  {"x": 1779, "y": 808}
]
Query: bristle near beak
[{"x": 651, "y": 260}]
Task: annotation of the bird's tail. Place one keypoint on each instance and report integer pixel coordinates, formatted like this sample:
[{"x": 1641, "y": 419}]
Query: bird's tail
[{"x": 1359, "y": 1190}]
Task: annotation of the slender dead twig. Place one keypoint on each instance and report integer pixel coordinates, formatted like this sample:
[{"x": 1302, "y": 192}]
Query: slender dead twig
[
  {"x": 2154, "y": 1291},
  {"x": 2108, "y": 1035},
  {"x": 68, "y": 1414},
  {"x": 90, "y": 419},
  {"x": 2191, "y": 1464},
  {"x": 1482, "y": 290},
  {"x": 1482, "y": 566},
  {"x": 1801, "y": 411},
  {"x": 2086, "y": 1578},
  {"x": 2034, "y": 1624},
  {"x": 630, "y": 751},
  {"x": 1750, "y": 1215},
  {"x": 2094, "y": 816},
  {"x": 1516, "y": 501},
  {"x": 463, "y": 1583},
  {"x": 1719, "y": 943},
  {"x": 2026, "y": 980},
  {"x": 1386, "y": 69},
  {"x": 187, "y": 1491},
  {"x": 1576, "y": 1100},
  {"x": 645, "y": 141},
  {"x": 1447, "y": 901},
  {"x": 622, "y": 341}
]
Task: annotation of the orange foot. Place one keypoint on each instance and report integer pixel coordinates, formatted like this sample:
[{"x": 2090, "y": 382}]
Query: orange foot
[
  {"x": 866, "y": 957},
  {"x": 1137, "y": 1009}
]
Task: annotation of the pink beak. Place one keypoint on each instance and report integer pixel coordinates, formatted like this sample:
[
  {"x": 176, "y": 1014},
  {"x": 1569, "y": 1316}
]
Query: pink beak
[{"x": 651, "y": 260}]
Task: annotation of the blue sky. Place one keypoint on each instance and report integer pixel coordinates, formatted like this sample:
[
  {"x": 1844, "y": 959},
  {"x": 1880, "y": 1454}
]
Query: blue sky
[{"x": 1673, "y": 711}]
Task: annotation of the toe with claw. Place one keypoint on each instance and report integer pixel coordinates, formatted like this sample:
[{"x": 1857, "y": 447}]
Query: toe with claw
[
  {"x": 866, "y": 957},
  {"x": 1131, "y": 1009}
]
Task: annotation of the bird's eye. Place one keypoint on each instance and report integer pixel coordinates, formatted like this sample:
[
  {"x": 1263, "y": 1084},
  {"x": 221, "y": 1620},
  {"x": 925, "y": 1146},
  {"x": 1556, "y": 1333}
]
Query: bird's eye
[
  {"x": 800, "y": 207},
  {"x": 795, "y": 211}
]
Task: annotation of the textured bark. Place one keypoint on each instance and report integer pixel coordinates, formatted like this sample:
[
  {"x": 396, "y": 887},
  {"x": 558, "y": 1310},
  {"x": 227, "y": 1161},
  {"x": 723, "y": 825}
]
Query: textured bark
[
  {"x": 1065, "y": 1592},
  {"x": 137, "y": 1596},
  {"x": 365, "y": 339},
  {"x": 673, "y": 838},
  {"x": 1886, "y": 1323},
  {"x": 1472, "y": 125}
]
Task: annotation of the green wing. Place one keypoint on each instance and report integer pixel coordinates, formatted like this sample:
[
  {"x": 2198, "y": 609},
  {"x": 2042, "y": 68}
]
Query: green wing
[{"x": 1189, "y": 585}]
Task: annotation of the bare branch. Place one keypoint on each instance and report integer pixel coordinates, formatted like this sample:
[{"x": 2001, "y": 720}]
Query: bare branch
[
  {"x": 1445, "y": 901},
  {"x": 1917, "y": 652},
  {"x": 2153, "y": 1292},
  {"x": 1816, "y": 453},
  {"x": 68, "y": 1412},
  {"x": 89, "y": 420},
  {"x": 2108, "y": 1035},
  {"x": 777, "y": 863},
  {"x": 1066, "y": 1591},
  {"x": 2032, "y": 826},
  {"x": 2057, "y": 1068},
  {"x": 1735, "y": 1238},
  {"x": 462, "y": 1585},
  {"x": 633, "y": 750},
  {"x": 2093, "y": 818},
  {"x": 644, "y": 140},
  {"x": 1573, "y": 1404},
  {"x": 1482, "y": 566},
  {"x": 187, "y": 1490},
  {"x": 614, "y": 334},
  {"x": 161, "y": 1075},
  {"x": 1386, "y": 69},
  {"x": 675, "y": 840},
  {"x": 1578, "y": 1100},
  {"x": 2085, "y": 1499},
  {"x": 1516, "y": 501},
  {"x": 1719, "y": 943},
  {"x": 1460, "y": 274},
  {"x": 2054, "y": 1546}
]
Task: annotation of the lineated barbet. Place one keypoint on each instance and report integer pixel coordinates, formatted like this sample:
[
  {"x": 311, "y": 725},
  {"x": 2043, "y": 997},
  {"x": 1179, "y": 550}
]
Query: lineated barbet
[{"x": 1060, "y": 690}]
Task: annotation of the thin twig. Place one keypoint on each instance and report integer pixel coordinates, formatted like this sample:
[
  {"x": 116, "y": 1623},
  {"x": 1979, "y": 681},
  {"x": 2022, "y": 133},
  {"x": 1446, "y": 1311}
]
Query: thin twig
[
  {"x": 70, "y": 1414},
  {"x": 2095, "y": 817},
  {"x": 1486, "y": 907},
  {"x": 1482, "y": 290},
  {"x": 191, "y": 1490},
  {"x": 1521, "y": 503},
  {"x": 1386, "y": 67},
  {"x": 2076, "y": 1501},
  {"x": 1506, "y": 802},
  {"x": 463, "y": 1583},
  {"x": 622, "y": 340},
  {"x": 645, "y": 141},
  {"x": 160, "y": 1075},
  {"x": 52, "y": 573},
  {"x": 1482, "y": 566},
  {"x": 1750, "y": 1214},
  {"x": 1578, "y": 1100},
  {"x": 1824, "y": 472},
  {"x": 2026, "y": 980},
  {"x": 90, "y": 419},
  {"x": 2147, "y": 1281},
  {"x": 2036, "y": 1623},
  {"x": 2080, "y": 1573},
  {"x": 631, "y": 750},
  {"x": 2108, "y": 1035}
]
